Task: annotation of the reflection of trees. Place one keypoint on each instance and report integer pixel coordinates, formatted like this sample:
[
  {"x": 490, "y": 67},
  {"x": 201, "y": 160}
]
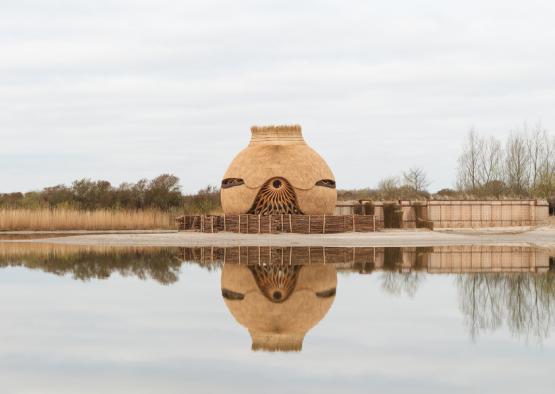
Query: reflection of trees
[
  {"x": 524, "y": 301},
  {"x": 397, "y": 283},
  {"x": 159, "y": 264}
]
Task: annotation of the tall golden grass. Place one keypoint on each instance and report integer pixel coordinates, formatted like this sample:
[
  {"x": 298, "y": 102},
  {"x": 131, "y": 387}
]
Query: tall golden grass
[
  {"x": 70, "y": 219},
  {"x": 43, "y": 251}
]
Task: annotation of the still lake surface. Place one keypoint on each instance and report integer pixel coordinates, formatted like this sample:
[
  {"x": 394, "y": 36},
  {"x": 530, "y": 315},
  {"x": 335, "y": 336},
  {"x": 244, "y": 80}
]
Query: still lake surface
[{"x": 274, "y": 320}]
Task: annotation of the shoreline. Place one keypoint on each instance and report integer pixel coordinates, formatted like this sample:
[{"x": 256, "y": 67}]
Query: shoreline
[{"x": 543, "y": 237}]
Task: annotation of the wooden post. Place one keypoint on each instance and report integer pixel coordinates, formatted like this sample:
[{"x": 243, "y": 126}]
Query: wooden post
[
  {"x": 324, "y": 225},
  {"x": 248, "y": 223},
  {"x": 309, "y": 223},
  {"x": 212, "y": 223},
  {"x": 354, "y": 224},
  {"x": 225, "y": 229},
  {"x": 290, "y": 224},
  {"x": 282, "y": 223},
  {"x": 374, "y": 221},
  {"x": 239, "y": 223},
  {"x": 269, "y": 224}
]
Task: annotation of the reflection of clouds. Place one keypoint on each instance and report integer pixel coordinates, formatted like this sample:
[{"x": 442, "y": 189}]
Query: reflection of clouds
[
  {"x": 524, "y": 301},
  {"x": 127, "y": 335},
  {"x": 516, "y": 294}
]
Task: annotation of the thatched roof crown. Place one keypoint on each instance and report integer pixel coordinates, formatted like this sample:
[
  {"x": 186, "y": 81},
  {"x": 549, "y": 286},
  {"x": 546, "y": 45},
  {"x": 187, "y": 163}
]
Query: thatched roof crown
[{"x": 281, "y": 134}]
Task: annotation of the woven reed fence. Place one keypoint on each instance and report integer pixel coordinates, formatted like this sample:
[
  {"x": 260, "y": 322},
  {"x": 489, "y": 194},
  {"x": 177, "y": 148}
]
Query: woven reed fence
[
  {"x": 255, "y": 255},
  {"x": 275, "y": 224}
]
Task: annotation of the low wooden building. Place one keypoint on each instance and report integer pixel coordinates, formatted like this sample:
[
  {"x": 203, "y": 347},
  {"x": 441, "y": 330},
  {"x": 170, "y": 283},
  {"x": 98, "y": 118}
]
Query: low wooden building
[{"x": 450, "y": 213}]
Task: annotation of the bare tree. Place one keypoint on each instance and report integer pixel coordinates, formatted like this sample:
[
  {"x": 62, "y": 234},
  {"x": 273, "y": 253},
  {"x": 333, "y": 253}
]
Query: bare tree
[
  {"x": 523, "y": 166},
  {"x": 468, "y": 177},
  {"x": 541, "y": 151},
  {"x": 416, "y": 178},
  {"x": 490, "y": 160},
  {"x": 517, "y": 163},
  {"x": 537, "y": 144},
  {"x": 389, "y": 188}
]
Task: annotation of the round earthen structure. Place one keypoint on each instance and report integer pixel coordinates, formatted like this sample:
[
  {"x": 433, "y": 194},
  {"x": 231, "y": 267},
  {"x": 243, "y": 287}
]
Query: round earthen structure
[
  {"x": 278, "y": 173},
  {"x": 278, "y": 303}
]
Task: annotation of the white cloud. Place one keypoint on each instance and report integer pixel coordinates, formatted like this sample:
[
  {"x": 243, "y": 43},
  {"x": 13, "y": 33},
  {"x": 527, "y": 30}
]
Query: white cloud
[{"x": 146, "y": 87}]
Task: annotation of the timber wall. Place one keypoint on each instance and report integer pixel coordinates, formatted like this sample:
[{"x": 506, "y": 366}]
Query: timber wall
[
  {"x": 456, "y": 213},
  {"x": 486, "y": 213}
]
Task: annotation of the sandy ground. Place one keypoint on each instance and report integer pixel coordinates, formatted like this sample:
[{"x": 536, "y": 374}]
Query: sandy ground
[{"x": 517, "y": 236}]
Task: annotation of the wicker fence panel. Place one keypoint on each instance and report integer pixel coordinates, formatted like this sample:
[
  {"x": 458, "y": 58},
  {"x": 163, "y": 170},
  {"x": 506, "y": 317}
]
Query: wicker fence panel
[{"x": 275, "y": 224}]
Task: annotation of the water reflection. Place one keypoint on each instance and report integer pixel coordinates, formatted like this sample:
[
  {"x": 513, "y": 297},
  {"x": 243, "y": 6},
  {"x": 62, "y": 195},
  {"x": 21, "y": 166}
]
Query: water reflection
[
  {"x": 277, "y": 303},
  {"x": 524, "y": 301},
  {"x": 98, "y": 262},
  {"x": 279, "y": 293}
]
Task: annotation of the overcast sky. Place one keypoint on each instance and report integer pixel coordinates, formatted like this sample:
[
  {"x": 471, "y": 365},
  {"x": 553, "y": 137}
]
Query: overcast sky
[{"x": 121, "y": 90}]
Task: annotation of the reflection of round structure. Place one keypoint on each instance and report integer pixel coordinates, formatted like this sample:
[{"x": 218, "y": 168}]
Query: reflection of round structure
[
  {"x": 278, "y": 173},
  {"x": 278, "y": 322}
]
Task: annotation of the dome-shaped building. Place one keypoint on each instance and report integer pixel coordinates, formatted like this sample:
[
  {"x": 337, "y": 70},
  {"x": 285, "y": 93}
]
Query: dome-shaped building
[
  {"x": 278, "y": 173},
  {"x": 277, "y": 303}
]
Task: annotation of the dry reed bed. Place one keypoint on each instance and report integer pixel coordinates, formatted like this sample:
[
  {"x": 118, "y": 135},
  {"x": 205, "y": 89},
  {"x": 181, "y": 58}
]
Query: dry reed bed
[
  {"x": 44, "y": 250},
  {"x": 71, "y": 219}
]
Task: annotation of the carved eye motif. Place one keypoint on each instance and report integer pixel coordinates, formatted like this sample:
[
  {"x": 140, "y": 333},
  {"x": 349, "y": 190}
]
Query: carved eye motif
[
  {"x": 326, "y": 293},
  {"x": 326, "y": 183},
  {"x": 231, "y": 295},
  {"x": 232, "y": 182}
]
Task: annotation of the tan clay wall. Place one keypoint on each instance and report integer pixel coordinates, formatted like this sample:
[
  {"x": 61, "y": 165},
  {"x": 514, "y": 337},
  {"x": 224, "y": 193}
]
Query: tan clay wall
[
  {"x": 472, "y": 214},
  {"x": 463, "y": 213},
  {"x": 467, "y": 259}
]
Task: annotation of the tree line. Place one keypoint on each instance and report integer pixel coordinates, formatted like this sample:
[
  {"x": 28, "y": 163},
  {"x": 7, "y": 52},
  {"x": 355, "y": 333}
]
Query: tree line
[
  {"x": 521, "y": 166},
  {"x": 162, "y": 192}
]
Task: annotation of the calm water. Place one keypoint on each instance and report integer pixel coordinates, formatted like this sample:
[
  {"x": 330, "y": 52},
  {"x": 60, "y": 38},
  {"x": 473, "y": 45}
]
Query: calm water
[{"x": 295, "y": 320}]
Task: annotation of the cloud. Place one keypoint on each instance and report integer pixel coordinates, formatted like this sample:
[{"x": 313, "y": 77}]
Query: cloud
[{"x": 174, "y": 86}]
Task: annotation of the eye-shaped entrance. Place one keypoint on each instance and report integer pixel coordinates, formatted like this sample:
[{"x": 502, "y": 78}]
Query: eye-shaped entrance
[{"x": 276, "y": 197}]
